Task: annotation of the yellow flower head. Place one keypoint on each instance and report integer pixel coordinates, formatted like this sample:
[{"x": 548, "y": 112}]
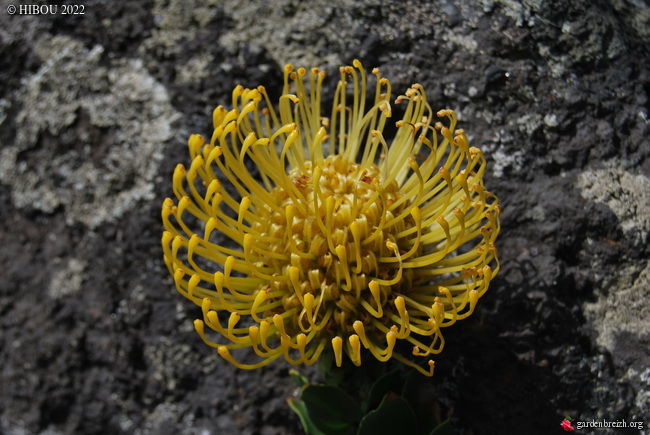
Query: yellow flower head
[{"x": 317, "y": 233}]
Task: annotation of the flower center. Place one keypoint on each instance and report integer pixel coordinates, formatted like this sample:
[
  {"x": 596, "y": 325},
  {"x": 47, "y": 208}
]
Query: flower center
[{"x": 334, "y": 230}]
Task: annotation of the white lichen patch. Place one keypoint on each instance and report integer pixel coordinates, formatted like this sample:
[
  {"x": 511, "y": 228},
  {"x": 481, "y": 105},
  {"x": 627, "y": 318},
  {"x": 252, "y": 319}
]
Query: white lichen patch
[
  {"x": 304, "y": 35},
  {"x": 623, "y": 307},
  {"x": 88, "y": 138},
  {"x": 626, "y": 194},
  {"x": 464, "y": 42},
  {"x": 550, "y": 119},
  {"x": 195, "y": 70},
  {"x": 167, "y": 358},
  {"x": 642, "y": 399},
  {"x": 530, "y": 123},
  {"x": 178, "y": 22},
  {"x": 507, "y": 157},
  {"x": 67, "y": 279},
  {"x": 521, "y": 12},
  {"x": 621, "y": 321}
]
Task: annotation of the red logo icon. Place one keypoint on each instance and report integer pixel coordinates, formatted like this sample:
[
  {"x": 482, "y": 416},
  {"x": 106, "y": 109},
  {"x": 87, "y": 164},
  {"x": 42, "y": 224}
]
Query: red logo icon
[{"x": 566, "y": 424}]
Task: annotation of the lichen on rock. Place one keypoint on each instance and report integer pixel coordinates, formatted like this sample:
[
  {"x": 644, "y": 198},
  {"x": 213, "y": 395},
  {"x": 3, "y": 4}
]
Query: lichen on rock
[{"x": 107, "y": 122}]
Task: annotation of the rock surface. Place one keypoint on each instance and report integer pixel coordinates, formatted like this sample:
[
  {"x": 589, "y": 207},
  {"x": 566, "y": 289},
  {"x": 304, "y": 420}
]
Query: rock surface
[{"x": 95, "y": 111}]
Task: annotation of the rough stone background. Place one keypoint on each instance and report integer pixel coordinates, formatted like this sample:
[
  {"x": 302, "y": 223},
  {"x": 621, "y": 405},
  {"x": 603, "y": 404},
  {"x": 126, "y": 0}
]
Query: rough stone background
[{"x": 95, "y": 111}]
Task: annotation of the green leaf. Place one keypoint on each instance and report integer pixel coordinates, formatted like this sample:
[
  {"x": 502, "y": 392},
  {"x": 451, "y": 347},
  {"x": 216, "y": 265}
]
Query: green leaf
[
  {"x": 297, "y": 378},
  {"x": 394, "y": 416},
  {"x": 327, "y": 364},
  {"x": 419, "y": 392},
  {"x": 386, "y": 383},
  {"x": 331, "y": 409},
  {"x": 444, "y": 428},
  {"x": 300, "y": 408}
]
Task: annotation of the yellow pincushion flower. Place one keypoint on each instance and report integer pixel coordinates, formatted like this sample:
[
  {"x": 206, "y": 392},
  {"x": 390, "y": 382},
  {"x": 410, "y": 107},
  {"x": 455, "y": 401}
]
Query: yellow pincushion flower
[{"x": 316, "y": 233}]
